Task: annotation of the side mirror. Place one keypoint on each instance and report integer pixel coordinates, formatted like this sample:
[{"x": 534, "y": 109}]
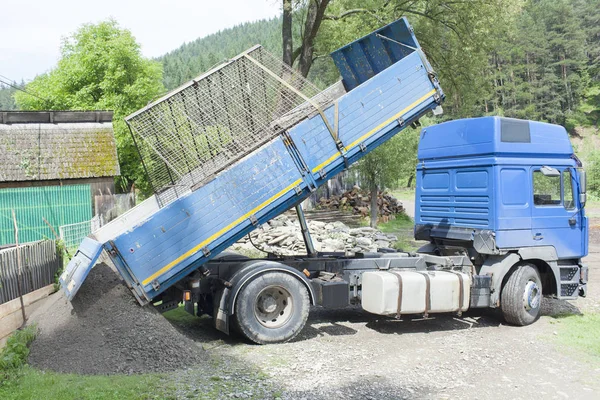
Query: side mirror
[
  {"x": 582, "y": 186},
  {"x": 549, "y": 171}
]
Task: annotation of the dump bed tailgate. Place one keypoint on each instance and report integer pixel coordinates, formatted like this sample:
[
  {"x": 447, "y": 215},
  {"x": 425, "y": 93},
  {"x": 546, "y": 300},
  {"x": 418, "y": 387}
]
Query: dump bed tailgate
[{"x": 80, "y": 265}]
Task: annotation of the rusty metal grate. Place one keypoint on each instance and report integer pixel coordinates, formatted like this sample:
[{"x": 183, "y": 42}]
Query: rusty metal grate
[{"x": 206, "y": 125}]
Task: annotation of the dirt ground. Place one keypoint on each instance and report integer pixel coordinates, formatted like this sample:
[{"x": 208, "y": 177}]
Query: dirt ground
[{"x": 350, "y": 354}]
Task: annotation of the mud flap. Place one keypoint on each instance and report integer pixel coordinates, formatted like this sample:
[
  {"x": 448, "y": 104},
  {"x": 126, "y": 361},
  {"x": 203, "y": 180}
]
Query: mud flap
[
  {"x": 79, "y": 267},
  {"x": 220, "y": 315}
]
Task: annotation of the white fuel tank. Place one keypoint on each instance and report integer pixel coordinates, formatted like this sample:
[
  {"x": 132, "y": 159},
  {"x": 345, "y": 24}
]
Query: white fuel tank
[{"x": 381, "y": 290}]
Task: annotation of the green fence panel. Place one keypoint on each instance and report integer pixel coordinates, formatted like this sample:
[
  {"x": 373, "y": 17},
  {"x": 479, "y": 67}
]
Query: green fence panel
[{"x": 60, "y": 205}]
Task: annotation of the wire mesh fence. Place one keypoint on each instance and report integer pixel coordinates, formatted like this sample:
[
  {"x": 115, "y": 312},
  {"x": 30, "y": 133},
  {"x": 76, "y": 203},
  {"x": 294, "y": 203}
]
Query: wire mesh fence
[
  {"x": 72, "y": 235},
  {"x": 108, "y": 207},
  {"x": 40, "y": 262},
  {"x": 201, "y": 128}
]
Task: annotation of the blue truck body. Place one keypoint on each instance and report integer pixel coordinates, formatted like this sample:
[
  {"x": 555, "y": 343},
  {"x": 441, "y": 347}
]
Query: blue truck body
[
  {"x": 391, "y": 85},
  {"x": 468, "y": 176},
  {"x": 483, "y": 175},
  {"x": 500, "y": 202}
]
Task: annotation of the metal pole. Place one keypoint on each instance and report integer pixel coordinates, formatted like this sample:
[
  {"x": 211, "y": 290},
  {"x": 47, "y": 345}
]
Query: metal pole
[
  {"x": 310, "y": 249},
  {"x": 19, "y": 275}
]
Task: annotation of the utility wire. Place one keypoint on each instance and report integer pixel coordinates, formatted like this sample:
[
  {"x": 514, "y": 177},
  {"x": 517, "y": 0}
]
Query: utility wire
[
  {"x": 21, "y": 89},
  {"x": 6, "y": 77}
]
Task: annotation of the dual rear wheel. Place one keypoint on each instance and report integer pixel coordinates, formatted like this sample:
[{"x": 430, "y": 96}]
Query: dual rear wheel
[{"x": 271, "y": 308}]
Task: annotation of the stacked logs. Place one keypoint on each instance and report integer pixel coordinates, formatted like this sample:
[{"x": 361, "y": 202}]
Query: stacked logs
[{"x": 358, "y": 201}]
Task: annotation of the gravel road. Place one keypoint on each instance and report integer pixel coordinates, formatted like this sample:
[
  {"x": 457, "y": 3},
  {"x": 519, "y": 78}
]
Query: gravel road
[{"x": 350, "y": 354}]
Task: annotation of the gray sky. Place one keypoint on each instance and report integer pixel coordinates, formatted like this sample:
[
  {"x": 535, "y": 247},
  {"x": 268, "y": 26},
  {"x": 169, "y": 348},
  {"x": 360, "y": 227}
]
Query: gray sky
[{"x": 31, "y": 31}]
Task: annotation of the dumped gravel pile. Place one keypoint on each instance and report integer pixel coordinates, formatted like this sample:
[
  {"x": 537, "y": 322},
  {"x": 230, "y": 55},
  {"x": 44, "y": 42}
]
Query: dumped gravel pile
[{"x": 105, "y": 331}]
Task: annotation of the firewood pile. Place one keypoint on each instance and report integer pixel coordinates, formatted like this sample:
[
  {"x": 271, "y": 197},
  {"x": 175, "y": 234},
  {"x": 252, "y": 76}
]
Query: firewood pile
[{"x": 359, "y": 202}]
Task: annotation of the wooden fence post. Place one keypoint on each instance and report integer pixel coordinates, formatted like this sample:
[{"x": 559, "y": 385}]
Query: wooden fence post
[
  {"x": 58, "y": 239},
  {"x": 20, "y": 268}
]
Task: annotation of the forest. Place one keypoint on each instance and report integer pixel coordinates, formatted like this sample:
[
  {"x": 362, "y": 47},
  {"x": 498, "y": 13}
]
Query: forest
[
  {"x": 530, "y": 59},
  {"x": 7, "y": 91},
  {"x": 535, "y": 59}
]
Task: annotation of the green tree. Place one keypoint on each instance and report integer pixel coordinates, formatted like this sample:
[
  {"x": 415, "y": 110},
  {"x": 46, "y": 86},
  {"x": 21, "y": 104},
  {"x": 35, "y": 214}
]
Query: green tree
[
  {"x": 546, "y": 67},
  {"x": 312, "y": 13},
  {"x": 589, "y": 15},
  {"x": 390, "y": 164},
  {"x": 7, "y": 101},
  {"x": 457, "y": 37},
  {"x": 101, "y": 68}
]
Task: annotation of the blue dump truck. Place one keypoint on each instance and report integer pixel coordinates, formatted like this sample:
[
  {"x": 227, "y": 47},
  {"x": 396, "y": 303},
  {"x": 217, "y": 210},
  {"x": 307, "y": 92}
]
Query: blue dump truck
[{"x": 499, "y": 201}]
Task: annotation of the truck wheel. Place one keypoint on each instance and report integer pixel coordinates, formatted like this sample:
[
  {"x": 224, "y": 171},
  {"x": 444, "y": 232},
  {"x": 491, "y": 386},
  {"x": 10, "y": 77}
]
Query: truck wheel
[
  {"x": 522, "y": 296},
  {"x": 271, "y": 308}
]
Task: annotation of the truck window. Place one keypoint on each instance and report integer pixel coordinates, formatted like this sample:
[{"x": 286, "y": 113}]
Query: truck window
[
  {"x": 568, "y": 190},
  {"x": 546, "y": 189}
]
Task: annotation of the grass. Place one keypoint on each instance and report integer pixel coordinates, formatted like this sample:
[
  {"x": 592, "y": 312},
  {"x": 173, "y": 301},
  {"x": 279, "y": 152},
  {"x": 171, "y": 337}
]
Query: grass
[
  {"x": 179, "y": 316},
  {"x": 580, "y": 332},
  {"x": 404, "y": 194},
  {"x": 20, "y": 381},
  {"x": 14, "y": 355},
  {"x": 29, "y": 383},
  {"x": 400, "y": 222},
  {"x": 402, "y": 227}
]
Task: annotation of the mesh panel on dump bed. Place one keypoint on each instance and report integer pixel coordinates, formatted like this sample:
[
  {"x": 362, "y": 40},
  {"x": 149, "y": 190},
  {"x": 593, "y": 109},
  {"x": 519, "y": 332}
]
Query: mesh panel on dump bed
[{"x": 206, "y": 125}]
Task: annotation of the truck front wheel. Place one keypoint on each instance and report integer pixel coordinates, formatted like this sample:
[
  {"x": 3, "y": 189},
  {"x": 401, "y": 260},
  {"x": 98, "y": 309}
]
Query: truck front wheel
[
  {"x": 521, "y": 298},
  {"x": 272, "y": 307}
]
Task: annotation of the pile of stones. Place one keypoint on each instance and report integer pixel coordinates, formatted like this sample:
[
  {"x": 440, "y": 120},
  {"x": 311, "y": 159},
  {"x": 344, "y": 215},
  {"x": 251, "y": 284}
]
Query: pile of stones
[{"x": 283, "y": 236}]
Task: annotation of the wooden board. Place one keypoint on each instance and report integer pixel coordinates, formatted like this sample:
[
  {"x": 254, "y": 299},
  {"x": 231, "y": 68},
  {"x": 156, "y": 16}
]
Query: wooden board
[{"x": 10, "y": 313}]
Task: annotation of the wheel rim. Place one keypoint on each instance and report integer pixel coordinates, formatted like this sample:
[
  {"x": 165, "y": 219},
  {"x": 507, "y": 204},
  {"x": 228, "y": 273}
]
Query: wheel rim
[
  {"x": 531, "y": 296},
  {"x": 273, "y": 306}
]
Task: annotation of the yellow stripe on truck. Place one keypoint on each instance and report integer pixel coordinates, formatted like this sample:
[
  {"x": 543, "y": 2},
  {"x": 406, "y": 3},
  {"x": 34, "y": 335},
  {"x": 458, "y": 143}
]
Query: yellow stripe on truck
[
  {"x": 287, "y": 189},
  {"x": 216, "y": 235},
  {"x": 377, "y": 128}
]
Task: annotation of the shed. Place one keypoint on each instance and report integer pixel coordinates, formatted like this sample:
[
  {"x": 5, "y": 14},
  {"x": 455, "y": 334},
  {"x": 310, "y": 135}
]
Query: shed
[{"x": 53, "y": 163}]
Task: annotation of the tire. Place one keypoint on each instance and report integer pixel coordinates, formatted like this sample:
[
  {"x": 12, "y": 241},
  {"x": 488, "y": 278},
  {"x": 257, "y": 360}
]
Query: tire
[
  {"x": 271, "y": 308},
  {"x": 521, "y": 298}
]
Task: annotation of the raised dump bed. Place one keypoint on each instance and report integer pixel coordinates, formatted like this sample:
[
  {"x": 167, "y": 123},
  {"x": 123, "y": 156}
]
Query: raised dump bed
[{"x": 248, "y": 140}]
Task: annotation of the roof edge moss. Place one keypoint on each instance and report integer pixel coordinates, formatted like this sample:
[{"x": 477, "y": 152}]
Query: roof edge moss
[{"x": 54, "y": 117}]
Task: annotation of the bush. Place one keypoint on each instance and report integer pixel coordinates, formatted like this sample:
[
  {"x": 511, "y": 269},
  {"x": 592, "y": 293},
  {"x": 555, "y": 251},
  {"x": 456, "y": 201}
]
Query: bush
[{"x": 14, "y": 355}]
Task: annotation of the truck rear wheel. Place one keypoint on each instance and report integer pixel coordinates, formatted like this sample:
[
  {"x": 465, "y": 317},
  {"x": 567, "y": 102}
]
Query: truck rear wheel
[
  {"x": 522, "y": 296},
  {"x": 271, "y": 308}
]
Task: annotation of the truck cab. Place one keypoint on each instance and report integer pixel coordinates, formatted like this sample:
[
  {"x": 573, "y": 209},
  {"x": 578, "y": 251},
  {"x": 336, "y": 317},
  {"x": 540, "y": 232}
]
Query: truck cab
[{"x": 508, "y": 190}]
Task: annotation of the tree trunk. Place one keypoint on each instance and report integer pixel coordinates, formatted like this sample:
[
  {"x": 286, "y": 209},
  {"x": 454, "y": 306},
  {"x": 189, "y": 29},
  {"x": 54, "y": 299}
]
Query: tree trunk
[
  {"x": 286, "y": 32},
  {"x": 374, "y": 207},
  {"x": 314, "y": 17},
  {"x": 412, "y": 176}
]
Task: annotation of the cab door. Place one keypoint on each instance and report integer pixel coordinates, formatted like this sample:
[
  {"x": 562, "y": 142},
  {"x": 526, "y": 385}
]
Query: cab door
[{"x": 555, "y": 217}]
